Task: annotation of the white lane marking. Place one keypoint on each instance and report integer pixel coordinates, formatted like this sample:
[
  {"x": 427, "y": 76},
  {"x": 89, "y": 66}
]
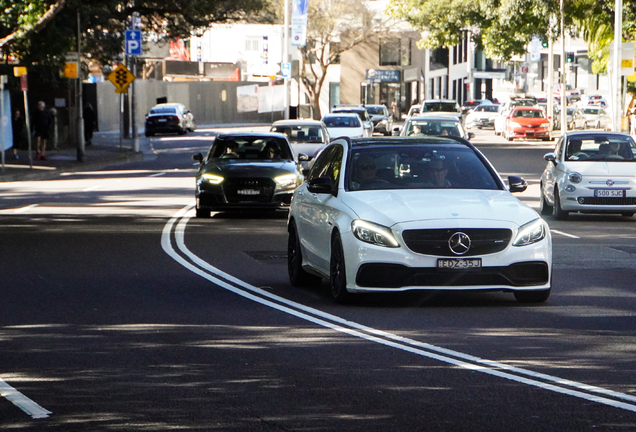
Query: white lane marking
[
  {"x": 157, "y": 175},
  {"x": 23, "y": 209},
  {"x": 564, "y": 234},
  {"x": 358, "y": 330},
  {"x": 22, "y": 402},
  {"x": 91, "y": 188}
]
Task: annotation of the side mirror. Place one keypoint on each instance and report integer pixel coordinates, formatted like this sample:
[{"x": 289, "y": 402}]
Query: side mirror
[
  {"x": 550, "y": 157},
  {"x": 303, "y": 157},
  {"x": 320, "y": 185},
  {"x": 197, "y": 157},
  {"x": 516, "y": 184},
  {"x": 471, "y": 135}
]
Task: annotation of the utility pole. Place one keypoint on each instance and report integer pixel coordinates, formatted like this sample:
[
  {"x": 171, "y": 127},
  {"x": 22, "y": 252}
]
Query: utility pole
[
  {"x": 133, "y": 99},
  {"x": 286, "y": 57},
  {"x": 564, "y": 99},
  {"x": 616, "y": 76},
  {"x": 80, "y": 109}
]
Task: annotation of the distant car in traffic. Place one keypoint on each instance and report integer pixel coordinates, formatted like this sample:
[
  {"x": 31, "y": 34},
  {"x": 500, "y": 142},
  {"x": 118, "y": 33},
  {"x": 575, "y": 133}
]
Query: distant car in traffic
[
  {"x": 482, "y": 116},
  {"x": 596, "y": 117},
  {"x": 442, "y": 106},
  {"x": 305, "y": 135},
  {"x": 527, "y": 122},
  {"x": 247, "y": 171},
  {"x": 169, "y": 118},
  {"x": 344, "y": 124},
  {"x": 590, "y": 172},
  {"x": 469, "y": 105},
  {"x": 381, "y": 118},
  {"x": 361, "y": 112},
  {"x": 399, "y": 214},
  {"x": 422, "y": 125}
]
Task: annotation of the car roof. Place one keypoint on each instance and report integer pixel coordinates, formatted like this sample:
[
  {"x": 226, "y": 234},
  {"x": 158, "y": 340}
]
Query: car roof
[
  {"x": 395, "y": 141},
  {"x": 576, "y": 134},
  {"x": 446, "y": 118},
  {"x": 439, "y": 100},
  {"x": 341, "y": 114},
  {"x": 527, "y": 108},
  {"x": 297, "y": 122},
  {"x": 251, "y": 134}
]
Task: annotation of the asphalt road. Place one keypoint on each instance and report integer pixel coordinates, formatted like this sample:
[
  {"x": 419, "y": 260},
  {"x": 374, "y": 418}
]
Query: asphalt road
[{"x": 121, "y": 311}]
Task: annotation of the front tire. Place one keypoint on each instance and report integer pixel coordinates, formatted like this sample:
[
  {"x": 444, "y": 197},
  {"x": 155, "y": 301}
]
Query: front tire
[
  {"x": 297, "y": 275},
  {"x": 546, "y": 209},
  {"x": 337, "y": 271},
  {"x": 557, "y": 211},
  {"x": 532, "y": 296},
  {"x": 202, "y": 213}
]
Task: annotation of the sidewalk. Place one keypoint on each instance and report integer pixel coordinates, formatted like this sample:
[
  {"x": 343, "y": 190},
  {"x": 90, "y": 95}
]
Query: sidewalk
[{"x": 105, "y": 150}]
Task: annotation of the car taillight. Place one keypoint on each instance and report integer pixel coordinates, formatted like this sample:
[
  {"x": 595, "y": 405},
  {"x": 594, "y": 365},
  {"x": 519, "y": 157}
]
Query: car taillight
[{"x": 175, "y": 118}]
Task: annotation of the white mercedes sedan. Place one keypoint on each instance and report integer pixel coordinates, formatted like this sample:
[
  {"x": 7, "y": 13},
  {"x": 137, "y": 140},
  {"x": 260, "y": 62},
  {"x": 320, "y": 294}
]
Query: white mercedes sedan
[
  {"x": 398, "y": 214},
  {"x": 590, "y": 172}
]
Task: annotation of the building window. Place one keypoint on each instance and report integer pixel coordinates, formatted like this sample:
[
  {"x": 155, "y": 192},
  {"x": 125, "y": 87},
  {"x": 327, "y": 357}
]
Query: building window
[
  {"x": 251, "y": 44},
  {"x": 395, "y": 52}
]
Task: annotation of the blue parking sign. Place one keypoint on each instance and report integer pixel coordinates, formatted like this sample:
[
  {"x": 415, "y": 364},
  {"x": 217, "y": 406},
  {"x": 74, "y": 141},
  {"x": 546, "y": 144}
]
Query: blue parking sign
[
  {"x": 133, "y": 42},
  {"x": 285, "y": 69}
]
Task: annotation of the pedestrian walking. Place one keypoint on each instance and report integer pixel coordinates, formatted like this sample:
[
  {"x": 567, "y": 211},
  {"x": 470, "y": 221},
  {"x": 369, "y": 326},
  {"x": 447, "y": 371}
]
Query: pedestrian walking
[
  {"x": 42, "y": 121},
  {"x": 89, "y": 123},
  {"x": 18, "y": 127}
]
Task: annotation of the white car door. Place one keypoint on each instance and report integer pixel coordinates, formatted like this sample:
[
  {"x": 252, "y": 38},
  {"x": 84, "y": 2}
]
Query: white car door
[{"x": 552, "y": 172}]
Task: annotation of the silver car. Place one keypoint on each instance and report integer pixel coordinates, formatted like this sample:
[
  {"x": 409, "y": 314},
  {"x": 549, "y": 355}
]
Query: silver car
[{"x": 306, "y": 136}]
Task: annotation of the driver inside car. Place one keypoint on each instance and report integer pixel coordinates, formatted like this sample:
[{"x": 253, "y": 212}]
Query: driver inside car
[{"x": 365, "y": 174}]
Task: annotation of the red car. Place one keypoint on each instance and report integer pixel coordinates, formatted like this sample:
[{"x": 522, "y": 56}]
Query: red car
[{"x": 527, "y": 122}]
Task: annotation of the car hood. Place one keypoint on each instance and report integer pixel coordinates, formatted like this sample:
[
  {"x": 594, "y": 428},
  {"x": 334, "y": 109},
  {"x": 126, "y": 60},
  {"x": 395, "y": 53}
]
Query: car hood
[
  {"x": 602, "y": 169},
  {"x": 402, "y": 206},
  {"x": 249, "y": 169}
]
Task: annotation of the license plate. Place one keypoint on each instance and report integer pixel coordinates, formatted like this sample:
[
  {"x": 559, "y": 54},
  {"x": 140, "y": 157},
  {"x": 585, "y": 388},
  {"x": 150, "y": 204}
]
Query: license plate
[
  {"x": 459, "y": 263},
  {"x": 613, "y": 193},
  {"x": 162, "y": 120},
  {"x": 248, "y": 191}
]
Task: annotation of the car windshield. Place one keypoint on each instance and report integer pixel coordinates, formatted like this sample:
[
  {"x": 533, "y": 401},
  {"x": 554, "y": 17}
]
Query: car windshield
[
  {"x": 417, "y": 167},
  {"x": 375, "y": 110},
  {"x": 250, "y": 147},
  {"x": 341, "y": 122},
  {"x": 529, "y": 113},
  {"x": 585, "y": 148},
  {"x": 487, "y": 108},
  {"x": 301, "y": 134},
  {"x": 432, "y": 128},
  {"x": 591, "y": 111},
  {"x": 163, "y": 110},
  {"x": 441, "y": 107}
]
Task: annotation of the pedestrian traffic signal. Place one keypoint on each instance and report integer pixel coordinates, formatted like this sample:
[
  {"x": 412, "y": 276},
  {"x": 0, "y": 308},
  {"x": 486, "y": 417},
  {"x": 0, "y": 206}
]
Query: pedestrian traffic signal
[
  {"x": 569, "y": 57},
  {"x": 544, "y": 44}
]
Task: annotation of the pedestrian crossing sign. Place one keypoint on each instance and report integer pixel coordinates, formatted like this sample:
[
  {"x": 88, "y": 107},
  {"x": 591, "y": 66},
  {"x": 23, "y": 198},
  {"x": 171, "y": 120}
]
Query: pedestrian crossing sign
[{"x": 121, "y": 78}]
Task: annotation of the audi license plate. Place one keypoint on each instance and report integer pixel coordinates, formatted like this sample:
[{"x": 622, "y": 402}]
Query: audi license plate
[
  {"x": 459, "y": 263},
  {"x": 612, "y": 193},
  {"x": 248, "y": 191}
]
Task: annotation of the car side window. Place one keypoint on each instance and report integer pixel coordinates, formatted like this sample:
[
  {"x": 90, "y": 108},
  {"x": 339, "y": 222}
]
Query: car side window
[{"x": 328, "y": 164}]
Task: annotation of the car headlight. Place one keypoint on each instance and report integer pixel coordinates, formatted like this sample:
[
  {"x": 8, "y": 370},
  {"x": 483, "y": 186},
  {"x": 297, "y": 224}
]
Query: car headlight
[
  {"x": 532, "y": 232},
  {"x": 575, "y": 177},
  {"x": 286, "y": 181},
  {"x": 212, "y": 179},
  {"x": 515, "y": 125},
  {"x": 545, "y": 125},
  {"x": 375, "y": 234}
]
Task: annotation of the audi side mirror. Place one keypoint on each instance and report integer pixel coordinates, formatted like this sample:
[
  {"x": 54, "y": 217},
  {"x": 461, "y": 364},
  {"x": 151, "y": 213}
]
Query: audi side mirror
[
  {"x": 197, "y": 157},
  {"x": 516, "y": 184}
]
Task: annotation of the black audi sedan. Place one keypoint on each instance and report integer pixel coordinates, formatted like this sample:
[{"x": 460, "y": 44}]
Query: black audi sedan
[{"x": 246, "y": 171}]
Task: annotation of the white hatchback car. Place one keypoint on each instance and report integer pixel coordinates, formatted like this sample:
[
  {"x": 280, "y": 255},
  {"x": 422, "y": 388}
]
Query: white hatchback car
[
  {"x": 590, "y": 172},
  {"x": 344, "y": 124},
  {"x": 398, "y": 214}
]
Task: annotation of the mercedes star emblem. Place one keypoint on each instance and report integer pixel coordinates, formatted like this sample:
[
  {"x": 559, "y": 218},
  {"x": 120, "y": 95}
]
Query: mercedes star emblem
[{"x": 459, "y": 243}]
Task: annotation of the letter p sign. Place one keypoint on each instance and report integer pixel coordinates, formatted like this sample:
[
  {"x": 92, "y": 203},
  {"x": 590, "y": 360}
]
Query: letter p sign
[{"x": 133, "y": 42}]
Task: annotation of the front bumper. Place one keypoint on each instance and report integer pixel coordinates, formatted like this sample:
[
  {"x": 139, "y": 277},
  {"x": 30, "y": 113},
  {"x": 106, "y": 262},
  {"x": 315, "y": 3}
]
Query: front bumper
[{"x": 538, "y": 133}]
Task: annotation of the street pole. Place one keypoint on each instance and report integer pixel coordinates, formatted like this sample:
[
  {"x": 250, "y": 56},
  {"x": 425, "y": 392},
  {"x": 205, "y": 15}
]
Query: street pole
[
  {"x": 286, "y": 57},
  {"x": 3, "y": 80},
  {"x": 80, "y": 109},
  {"x": 133, "y": 99},
  {"x": 550, "y": 82},
  {"x": 618, "y": 39},
  {"x": 564, "y": 99}
]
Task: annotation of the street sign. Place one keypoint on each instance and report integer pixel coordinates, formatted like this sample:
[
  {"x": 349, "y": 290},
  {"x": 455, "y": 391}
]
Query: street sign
[
  {"x": 71, "y": 68},
  {"x": 285, "y": 69},
  {"x": 121, "y": 78},
  {"x": 133, "y": 42}
]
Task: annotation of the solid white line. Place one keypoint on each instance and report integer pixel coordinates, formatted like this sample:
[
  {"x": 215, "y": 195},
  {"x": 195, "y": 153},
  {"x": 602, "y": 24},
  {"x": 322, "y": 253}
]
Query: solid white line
[
  {"x": 23, "y": 209},
  {"x": 91, "y": 188},
  {"x": 157, "y": 175},
  {"x": 22, "y": 402},
  {"x": 402, "y": 343},
  {"x": 564, "y": 234}
]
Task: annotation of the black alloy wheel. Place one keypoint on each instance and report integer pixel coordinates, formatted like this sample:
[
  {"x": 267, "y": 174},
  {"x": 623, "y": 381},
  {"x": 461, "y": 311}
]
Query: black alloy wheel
[
  {"x": 337, "y": 271},
  {"x": 297, "y": 275}
]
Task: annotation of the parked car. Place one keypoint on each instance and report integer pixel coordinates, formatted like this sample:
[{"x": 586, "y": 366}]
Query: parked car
[
  {"x": 527, "y": 122},
  {"x": 305, "y": 135},
  {"x": 362, "y": 112},
  {"x": 344, "y": 124},
  {"x": 169, "y": 117},
  {"x": 247, "y": 171},
  {"x": 596, "y": 117},
  {"x": 482, "y": 116},
  {"x": 590, "y": 172},
  {"x": 381, "y": 118},
  {"x": 398, "y": 214},
  {"x": 419, "y": 126}
]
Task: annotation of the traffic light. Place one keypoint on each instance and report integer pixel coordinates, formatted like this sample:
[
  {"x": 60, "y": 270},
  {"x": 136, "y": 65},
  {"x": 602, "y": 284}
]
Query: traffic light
[
  {"x": 569, "y": 57},
  {"x": 544, "y": 44}
]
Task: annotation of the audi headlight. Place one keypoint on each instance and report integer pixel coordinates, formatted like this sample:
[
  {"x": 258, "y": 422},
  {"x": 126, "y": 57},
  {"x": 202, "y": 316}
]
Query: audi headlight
[
  {"x": 213, "y": 179},
  {"x": 375, "y": 234},
  {"x": 575, "y": 177},
  {"x": 287, "y": 181},
  {"x": 532, "y": 232}
]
